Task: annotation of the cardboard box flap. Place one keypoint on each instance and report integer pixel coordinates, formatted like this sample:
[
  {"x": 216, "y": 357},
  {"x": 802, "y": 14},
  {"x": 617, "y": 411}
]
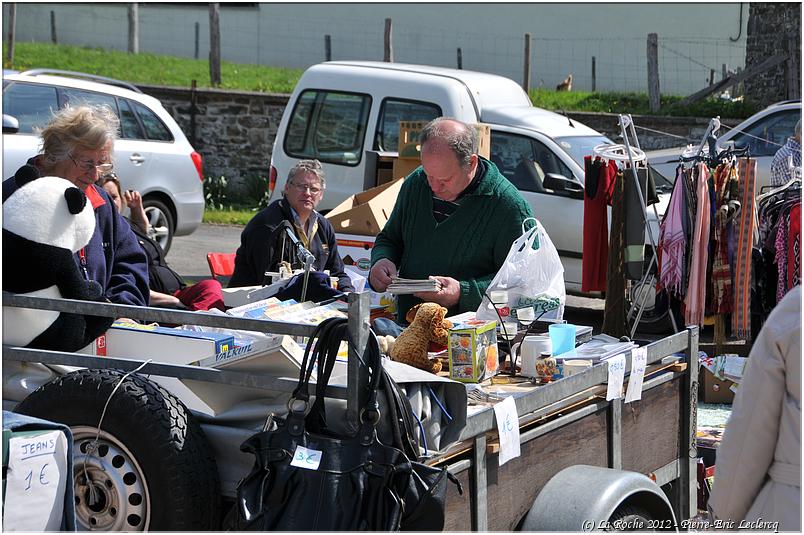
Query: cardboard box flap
[{"x": 367, "y": 212}]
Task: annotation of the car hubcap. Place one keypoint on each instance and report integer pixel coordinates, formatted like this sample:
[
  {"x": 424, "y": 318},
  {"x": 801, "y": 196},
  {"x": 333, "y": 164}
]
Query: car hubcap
[
  {"x": 159, "y": 225},
  {"x": 111, "y": 493}
]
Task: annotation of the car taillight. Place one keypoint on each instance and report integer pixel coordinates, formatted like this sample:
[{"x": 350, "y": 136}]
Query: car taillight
[
  {"x": 272, "y": 181},
  {"x": 197, "y": 160}
]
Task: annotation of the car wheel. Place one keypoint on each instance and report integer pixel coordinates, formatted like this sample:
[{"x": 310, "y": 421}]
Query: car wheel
[
  {"x": 148, "y": 468},
  {"x": 161, "y": 220},
  {"x": 655, "y": 317},
  {"x": 630, "y": 518}
]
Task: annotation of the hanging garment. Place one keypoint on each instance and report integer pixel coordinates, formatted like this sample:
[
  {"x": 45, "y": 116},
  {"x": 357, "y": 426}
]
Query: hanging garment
[
  {"x": 721, "y": 270},
  {"x": 696, "y": 291},
  {"x": 614, "y": 311},
  {"x": 780, "y": 258},
  {"x": 744, "y": 231},
  {"x": 794, "y": 250},
  {"x": 692, "y": 206},
  {"x": 598, "y": 183},
  {"x": 673, "y": 241},
  {"x": 635, "y": 222}
]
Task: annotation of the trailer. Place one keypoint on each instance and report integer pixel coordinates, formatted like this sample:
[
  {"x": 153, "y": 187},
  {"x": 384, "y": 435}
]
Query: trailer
[{"x": 586, "y": 463}]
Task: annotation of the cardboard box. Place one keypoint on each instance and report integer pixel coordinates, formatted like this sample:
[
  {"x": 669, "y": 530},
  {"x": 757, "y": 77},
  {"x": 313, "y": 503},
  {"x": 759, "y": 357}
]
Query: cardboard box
[
  {"x": 366, "y": 213},
  {"x": 405, "y": 166},
  {"x": 713, "y": 390},
  {"x": 472, "y": 351},
  {"x": 409, "y": 147}
]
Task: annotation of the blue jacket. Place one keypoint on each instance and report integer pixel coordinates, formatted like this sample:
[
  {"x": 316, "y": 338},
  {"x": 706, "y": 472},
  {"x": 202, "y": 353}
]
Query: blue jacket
[{"x": 113, "y": 256}]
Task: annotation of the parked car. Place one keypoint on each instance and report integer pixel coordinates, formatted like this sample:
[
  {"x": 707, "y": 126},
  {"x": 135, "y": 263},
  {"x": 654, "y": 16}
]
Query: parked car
[
  {"x": 763, "y": 133},
  {"x": 345, "y": 113},
  {"x": 152, "y": 154}
]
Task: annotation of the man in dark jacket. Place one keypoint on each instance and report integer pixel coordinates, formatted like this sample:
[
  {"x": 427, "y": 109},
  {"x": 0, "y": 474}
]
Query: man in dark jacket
[
  {"x": 261, "y": 241},
  {"x": 77, "y": 145}
]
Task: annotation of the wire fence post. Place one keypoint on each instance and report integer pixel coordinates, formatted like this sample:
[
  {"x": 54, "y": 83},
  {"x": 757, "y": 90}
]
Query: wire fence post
[
  {"x": 53, "y": 38},
  {"x": 388, "y": 50},
  {"x": 133, "y": 28},
  {"x": 711, "y": 76},
  {"x": 460, "y": 58},
  {"x": 526, "y": 74},
  {"x": 197, "y": 39},
  {"x": 653, "y": 72},
  {"x": 327, "y": 48},
  {"x": 724, "y": 71},
  {"x": 214, "y": 44},
  {"x": 594, "y": 76},
  {"x": 12, "y": 15}
]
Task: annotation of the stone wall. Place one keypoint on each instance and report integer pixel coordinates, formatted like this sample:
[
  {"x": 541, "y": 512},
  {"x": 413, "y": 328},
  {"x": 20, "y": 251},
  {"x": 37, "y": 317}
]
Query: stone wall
[
  {"x": 235, "y": 130},
  {"x": 774, "y": 28}
]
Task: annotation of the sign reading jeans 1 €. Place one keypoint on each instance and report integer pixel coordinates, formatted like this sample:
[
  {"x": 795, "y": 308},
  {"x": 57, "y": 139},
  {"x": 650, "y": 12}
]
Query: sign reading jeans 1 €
[
  {"x": 508, "y": 427},
  {"x": 36, "y": 481}
]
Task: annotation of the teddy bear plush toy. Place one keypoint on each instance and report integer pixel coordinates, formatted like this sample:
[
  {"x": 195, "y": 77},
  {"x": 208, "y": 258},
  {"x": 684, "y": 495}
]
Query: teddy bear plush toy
[
  {"x": 45, "y": 222},
  {"x": 427, "y": 324}
]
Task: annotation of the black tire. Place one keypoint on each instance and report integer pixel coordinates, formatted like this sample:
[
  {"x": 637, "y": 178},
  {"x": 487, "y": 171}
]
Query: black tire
[
  {"x": 153, "y": 468},
  {"x": 630, "y": 518},
  {"x": 161, "y": 219}
]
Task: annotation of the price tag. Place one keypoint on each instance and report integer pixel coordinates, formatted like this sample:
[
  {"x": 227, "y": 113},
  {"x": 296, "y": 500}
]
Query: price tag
[
  {"x": 639, "y": 359},
  {"x": 36, "y": 480},
  {"x": 508, "y": 426},
  {"x": 616, "y": 377},
  {"x": 306, "y": 458}
]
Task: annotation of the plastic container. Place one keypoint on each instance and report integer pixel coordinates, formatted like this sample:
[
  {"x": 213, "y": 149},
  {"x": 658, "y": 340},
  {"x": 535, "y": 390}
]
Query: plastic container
[{"x": 562, "y": 337}]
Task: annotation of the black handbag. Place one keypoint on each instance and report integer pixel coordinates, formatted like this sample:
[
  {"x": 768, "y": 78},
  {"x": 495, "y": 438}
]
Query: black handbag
[{"x": 308, "y": 479}]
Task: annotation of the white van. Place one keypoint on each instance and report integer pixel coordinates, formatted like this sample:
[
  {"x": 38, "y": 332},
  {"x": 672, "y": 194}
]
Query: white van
[{"x": 344, "y": 113}]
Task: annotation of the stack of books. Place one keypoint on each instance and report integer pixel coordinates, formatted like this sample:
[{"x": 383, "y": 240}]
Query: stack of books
[{"x": 411, "y": 286}]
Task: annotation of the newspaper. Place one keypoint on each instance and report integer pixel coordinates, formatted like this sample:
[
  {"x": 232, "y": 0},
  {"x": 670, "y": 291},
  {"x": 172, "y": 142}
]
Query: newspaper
[{"x": 411, "y": 286}]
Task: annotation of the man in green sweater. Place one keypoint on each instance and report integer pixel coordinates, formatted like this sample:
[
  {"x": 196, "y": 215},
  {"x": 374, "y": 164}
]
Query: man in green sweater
[{"x": 455, "y": 219}]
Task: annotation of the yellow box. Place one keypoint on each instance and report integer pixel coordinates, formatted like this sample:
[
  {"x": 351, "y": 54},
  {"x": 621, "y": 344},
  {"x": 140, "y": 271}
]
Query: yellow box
[{"x": 472, "y": 350}]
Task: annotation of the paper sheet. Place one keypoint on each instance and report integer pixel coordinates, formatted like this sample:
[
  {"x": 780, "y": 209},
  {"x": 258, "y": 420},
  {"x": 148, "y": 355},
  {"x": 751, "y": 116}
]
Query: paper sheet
[
  {"x": 306, "y": 458},
  {"x": 616, "y": 377},
  {"x": 639, "y": 359},
  {"x": 508, "y": 426},
  {"x": 36, "y": 480}
]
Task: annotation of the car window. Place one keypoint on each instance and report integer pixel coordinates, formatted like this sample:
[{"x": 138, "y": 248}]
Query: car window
[
  {"x": 329, "y": 126},
  {"x": 393, "y": 111},
  {"x": 31, "y": 104},
  {"x": 768, "y": 134},
  {"x": 525, "y": 161},
  {"x": 129, "y": 126},
  {"x": 155, "y": 129},
  {"x": 76, "y": 97}
]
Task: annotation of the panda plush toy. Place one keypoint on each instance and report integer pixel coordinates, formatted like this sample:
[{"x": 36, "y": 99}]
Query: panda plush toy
[{"x": 45, "y": 222}]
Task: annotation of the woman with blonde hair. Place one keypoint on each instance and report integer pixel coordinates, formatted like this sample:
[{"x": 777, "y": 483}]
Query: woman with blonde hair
[{"x": 77, "y": 145}]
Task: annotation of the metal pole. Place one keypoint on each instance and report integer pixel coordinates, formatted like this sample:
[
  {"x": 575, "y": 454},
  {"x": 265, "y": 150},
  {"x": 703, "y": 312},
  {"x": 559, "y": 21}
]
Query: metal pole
[
  {"x": 133, "y": 29},
  {"x": 594, "y": 75},
  {"x": 479, "y": 499},
  {"x": 327, "y": 48},
  {"x": 686, "y": 497},
  {"x": 357, "y": 374}
]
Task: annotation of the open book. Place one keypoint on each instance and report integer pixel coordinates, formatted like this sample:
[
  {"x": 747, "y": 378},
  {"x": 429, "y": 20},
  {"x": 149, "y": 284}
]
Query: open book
[{"x": 411, "y": 286}]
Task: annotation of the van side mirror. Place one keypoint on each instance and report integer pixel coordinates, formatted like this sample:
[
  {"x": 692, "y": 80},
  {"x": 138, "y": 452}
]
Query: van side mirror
[
  {"x": 10, "y": 124},
  {"x": 561, "y": 184}
]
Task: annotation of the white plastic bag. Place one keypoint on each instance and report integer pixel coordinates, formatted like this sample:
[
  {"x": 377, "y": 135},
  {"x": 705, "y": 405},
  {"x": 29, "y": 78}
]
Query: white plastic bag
[{"x": 532, "y": 277}]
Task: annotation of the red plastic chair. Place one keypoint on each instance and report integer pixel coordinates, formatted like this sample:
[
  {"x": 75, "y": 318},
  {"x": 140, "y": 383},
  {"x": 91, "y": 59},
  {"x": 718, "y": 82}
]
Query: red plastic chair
[{"x": 221, "y": 264}]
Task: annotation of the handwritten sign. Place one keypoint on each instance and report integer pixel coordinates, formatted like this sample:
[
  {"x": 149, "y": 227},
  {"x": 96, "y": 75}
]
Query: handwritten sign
[
  {"x": 616, "y": 377},
  {"x": 36, "y": 480},
  {"x": 639, "y": 359},
  {"x": 306, "y": 458},
  {"x": 508, "y": 426}
]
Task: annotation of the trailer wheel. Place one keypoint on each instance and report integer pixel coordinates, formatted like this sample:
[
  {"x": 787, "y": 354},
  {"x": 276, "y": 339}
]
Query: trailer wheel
[
  {"x": 151, "y": 468},
  {"x": 630, "y": 518}
]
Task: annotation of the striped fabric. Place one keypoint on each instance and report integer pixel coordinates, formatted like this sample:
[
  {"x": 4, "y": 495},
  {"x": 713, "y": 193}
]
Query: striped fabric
[
  {"x": 744, "y": 230},
  {"x": 673, "y": 241},
  {"x": 721, "y": 270},
  {"x": 696, "y": 291}
]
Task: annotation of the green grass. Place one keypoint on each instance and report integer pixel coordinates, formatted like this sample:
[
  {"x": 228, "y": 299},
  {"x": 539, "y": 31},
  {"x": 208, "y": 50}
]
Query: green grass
[
  {"x": 637, "y": 104},
  {"x": 155, "y": 69},
  {"x": 230, "y": 216},
  {"x": 158, "y": 69}
]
